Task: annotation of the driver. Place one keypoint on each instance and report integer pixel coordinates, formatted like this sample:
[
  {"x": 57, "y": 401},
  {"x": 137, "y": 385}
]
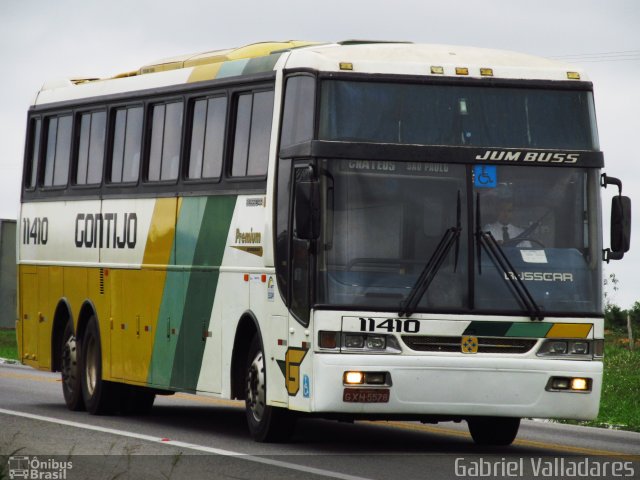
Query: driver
[{"x": 502, "y": 229}]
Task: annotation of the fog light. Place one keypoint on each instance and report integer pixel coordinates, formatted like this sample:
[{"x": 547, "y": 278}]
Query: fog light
[
  {"x": 569, "y": 384},
  {"x": 328, "y": 339},
  {"x": 353, "y": 341},
  {"x": 579, "y": 384},
  {"x": 377, "y": 343},
  {"x": 353, "y": 378},
  {"x": 560, "y": 383},
  {"x": 375, "y": 378}
]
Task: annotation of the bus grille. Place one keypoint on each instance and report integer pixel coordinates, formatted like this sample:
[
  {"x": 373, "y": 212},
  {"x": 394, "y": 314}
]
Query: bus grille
[{"x": 453, "y": 344}]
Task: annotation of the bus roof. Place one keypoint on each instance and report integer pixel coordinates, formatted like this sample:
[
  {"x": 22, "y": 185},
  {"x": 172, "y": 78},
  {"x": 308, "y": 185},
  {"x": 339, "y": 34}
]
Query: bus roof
[{"x": 369, "y": 57}]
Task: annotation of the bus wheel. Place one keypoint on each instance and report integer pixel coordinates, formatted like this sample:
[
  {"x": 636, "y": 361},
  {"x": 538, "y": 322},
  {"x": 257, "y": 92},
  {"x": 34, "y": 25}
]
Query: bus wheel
[
  {"x": 136, "y": 400},
  {"x": 497, "y": 431},
  {"x": 100, "y": 397},
  {"x": 71, "y": 385},
  {"x": 266, "y": 423}
]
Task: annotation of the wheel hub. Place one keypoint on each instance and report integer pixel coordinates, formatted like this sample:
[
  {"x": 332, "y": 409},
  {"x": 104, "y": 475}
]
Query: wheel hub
[
  {"x": 69, "y": 368},
  {"x": 91, "y": 367},
  {"x": 256, "y": 387}
]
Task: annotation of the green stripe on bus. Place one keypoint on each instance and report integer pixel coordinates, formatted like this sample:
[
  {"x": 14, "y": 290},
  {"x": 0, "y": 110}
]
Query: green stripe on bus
[
  {"x": 261, "y": 64},
  {"x": 200, "y": 290},
  {"x": 169, "y": 323},
  {"x": 232, "y": 68},
  {"x": 531, "y": 330},
  {"x": 487, "y": 329}
]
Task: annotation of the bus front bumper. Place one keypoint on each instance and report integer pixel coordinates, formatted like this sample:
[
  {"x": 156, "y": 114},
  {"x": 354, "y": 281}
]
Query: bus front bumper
[{"x": 458, "y": 386}]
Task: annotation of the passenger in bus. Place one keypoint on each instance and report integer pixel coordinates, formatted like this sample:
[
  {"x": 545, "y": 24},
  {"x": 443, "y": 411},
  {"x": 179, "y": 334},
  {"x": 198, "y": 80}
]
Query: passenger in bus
[{"x": 502, "y": 229}]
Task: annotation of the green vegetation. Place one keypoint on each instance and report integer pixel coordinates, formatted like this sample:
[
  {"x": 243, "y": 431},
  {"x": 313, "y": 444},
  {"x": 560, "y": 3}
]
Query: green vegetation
[
  {"x": 620, "y": 404},
  {"x": 8, "y": 344}
]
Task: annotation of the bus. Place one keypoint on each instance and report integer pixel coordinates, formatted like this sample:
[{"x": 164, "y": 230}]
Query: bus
[{"x": 352, "y": 230}]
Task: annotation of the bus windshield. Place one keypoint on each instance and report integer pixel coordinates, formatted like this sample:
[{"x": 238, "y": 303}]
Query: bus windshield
[
  {"x": 469, "y": 115},
  {"x": 383, "y": 221}
]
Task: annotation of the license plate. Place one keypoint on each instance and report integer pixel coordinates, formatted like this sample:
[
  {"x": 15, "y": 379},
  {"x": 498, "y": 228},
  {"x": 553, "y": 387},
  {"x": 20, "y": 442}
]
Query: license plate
[{"x": 361, "y": 395}]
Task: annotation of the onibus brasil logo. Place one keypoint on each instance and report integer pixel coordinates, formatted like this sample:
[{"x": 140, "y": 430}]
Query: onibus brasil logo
[{"x": 37, "y": 469}]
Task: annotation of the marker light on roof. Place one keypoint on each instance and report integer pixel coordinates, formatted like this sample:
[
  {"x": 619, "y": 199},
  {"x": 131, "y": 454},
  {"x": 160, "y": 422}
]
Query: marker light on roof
[
  {"x": 462, "y": 71},
  {"x": 573, "y": 75},
  {"x": 346, "y": 66},
  {"x": 486, "y": 72},
  {"x": 437, "y": 70}
]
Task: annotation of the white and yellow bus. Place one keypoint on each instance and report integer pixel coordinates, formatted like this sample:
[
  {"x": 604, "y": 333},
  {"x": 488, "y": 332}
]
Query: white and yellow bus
[{"x": 359, "y": 230}]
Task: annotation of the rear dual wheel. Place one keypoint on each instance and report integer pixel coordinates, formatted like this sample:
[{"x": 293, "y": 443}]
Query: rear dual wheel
[
  {"x": 100, "y": 397},
  {"x": 70, "y": 370}
]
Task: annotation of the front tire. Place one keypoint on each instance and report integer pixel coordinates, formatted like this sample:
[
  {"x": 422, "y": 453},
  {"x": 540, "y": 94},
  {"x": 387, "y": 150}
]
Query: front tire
[
  {"x": 266, "y": 423},
  {"x": 100, "y": 397},
  {"x": 70, "y": 370},
  {"x": 494, "y": 431}
]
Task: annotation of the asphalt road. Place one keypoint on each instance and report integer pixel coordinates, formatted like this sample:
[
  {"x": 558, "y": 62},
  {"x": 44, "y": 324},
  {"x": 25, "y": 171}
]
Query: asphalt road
[{"x": 189, "y": 436}]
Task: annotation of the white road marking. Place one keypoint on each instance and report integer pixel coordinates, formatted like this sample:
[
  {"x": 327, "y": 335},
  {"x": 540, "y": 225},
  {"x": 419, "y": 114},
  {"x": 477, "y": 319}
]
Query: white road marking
[{"x": 186, "y": 445}]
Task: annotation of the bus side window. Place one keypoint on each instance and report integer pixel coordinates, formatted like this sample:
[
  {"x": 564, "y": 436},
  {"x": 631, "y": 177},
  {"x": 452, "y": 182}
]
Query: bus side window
[
  {"x": 254, "y": 112},
  {"x": 127, "y": 143},
  {"x": 207, "y": 138},
  {"x": 58, "y": 150},
  {"x": 31, "y": 165},
  {"x": 299, "y": 104},
  {"x": 91, "y": 148},
  {"x": 166, "y": 132}
]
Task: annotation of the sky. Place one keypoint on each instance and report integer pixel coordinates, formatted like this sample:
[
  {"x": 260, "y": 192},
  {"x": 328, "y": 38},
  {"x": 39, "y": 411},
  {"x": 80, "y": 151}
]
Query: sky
[{"x": 49, "y": 39}]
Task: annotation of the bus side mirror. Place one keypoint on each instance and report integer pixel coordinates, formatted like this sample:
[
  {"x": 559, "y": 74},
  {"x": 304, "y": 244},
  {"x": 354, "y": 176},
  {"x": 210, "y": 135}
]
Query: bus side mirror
[
  {"x": 307, "y": 209},
  {"x": 620, "y": 221},
  {"x": 620, "y": 228}
]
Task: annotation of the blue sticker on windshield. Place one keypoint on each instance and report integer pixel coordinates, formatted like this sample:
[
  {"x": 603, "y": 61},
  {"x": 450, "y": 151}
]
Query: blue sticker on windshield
[{"x": 485, "y": 176}]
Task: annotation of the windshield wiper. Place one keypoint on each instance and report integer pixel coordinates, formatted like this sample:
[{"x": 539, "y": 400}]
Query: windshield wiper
[
  {"x": 500, "y": 260},
  {"x": 450, "y": 238}
]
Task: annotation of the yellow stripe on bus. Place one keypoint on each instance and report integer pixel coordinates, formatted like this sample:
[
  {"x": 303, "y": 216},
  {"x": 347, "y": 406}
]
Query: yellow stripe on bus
[
  {"x": 161, "y": 233},
  {"x": 569, "y": 330}
]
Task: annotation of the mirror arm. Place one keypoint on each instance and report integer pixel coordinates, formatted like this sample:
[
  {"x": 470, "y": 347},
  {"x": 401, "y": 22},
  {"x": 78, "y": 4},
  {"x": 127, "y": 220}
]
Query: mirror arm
[
  {"x": 608, "y": 255},
  {"x": 606, "y": 180}
]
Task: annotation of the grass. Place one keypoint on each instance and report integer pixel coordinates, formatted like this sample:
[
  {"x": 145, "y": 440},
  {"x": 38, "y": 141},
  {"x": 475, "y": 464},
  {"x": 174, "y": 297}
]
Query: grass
[
  {"x": 8, "y": 344},
  {"x": 620, "y": 403}
]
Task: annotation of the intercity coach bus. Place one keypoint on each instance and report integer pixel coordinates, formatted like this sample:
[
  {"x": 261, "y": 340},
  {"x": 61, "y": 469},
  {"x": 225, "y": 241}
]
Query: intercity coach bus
[{"x": 358, "y": 230}]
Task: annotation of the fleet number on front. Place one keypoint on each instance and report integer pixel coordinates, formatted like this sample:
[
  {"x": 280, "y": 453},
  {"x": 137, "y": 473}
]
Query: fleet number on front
[{"x": 391, "y": 325}]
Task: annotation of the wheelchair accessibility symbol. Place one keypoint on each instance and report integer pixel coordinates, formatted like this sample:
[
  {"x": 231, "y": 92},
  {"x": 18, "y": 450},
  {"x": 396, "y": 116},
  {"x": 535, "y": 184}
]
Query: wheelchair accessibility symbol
[{"x": 485, "y": 176}]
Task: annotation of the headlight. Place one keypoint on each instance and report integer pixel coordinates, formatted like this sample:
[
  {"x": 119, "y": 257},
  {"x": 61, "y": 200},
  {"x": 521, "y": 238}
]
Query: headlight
[
  {"x": 378, "y": 342},
  {"x": 570, "y": 348},
  {"x": 353, "y": 341},
  {"x": 369, "y": 343},
  {"x": 553, "y": 347},
  {"x": 579, "y": 348}
]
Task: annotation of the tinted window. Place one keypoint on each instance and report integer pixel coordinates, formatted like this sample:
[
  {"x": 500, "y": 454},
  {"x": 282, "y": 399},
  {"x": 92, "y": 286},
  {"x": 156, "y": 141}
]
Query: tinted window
[
  {"x": 166, "y": 129},
  {"x": 299, "y": 103},
  {"x": 58, "y": 151},
  {"x": 91, "y": 148},
  {"x": 34, "y": 153},
  {"x": 127, "y": 143},
  {"x": 457, "y": 115},
  {"x": 252, "y": 134},
  {"x": 207, "y": 137}
]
